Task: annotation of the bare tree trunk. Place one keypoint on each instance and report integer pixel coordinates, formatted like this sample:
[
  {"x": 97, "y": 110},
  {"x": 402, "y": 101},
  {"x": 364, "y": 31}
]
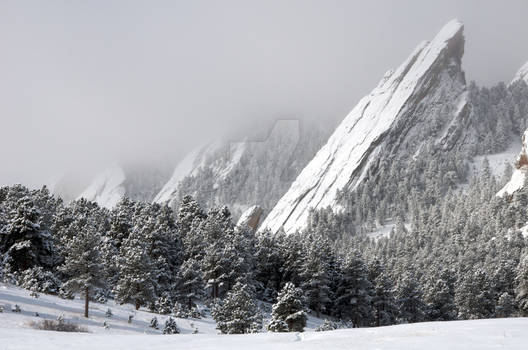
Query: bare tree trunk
[
  {"x": 138, "y": 304},
  {"x": 86, "y": 301}
]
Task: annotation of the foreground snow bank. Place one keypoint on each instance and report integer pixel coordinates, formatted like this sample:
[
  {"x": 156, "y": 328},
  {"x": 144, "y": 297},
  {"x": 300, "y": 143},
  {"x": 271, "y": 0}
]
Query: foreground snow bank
[
  {"x": 16, "y": 334},
  {"x": 479, "y": 334}
]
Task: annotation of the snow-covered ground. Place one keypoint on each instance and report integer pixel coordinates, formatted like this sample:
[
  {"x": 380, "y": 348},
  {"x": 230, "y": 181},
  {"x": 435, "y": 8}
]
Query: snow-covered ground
[
  {"x": 497, "y": 161},
  {"x": 16, "y": 334},
  {"x": 51, "y": 307}
]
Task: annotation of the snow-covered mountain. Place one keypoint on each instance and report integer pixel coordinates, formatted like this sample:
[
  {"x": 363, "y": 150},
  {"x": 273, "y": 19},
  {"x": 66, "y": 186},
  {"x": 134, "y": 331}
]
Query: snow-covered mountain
[
  {"x": 133, "y": 181},
  {"x": 429, "y": 84},
  {"x": 241, "y": 174},
  {"x": 522, "y": 74},
  {"x": 107, "y": 188}
]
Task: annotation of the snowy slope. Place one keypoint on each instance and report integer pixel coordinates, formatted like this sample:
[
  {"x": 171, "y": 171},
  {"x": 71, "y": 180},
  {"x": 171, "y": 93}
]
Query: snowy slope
[
  {"x": 522, "y": 74},
  {"x": 520, "y": 170},
  {"x": 50, "y": 307},
  {"x": 16, "y": 334},
  {"x": 107, "y": 189},
  {"x": 432, "y": 72},
  {"x": 497, "y": 161}
]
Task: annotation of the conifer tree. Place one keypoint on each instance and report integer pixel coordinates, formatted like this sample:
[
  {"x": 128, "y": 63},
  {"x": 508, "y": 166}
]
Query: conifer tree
[
  {"x": 521, "y": 285},
  {"x": 239, "y": 312},
  {"x": 316, "y": 279},
  {"x": 137, "y": 280},
  {"x": 288, "y": 313},
  {"x": 190, "y": 285},
  {"x": 354, "y": 292},
  {"x": 82, "y": 259},
  {"x": 411, "y": 307}
]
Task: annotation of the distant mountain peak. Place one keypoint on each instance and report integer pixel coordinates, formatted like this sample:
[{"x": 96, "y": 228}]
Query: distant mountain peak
[
  {"x": 379, "y": 123},
  {"x": 522, "y": 74}
]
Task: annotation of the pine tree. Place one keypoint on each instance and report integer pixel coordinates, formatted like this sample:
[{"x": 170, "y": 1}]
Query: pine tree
[
  {"x": 383, "y": 301},
  {"x": 521, "y": 285},
  {"x": 82, "y": 260},
  {"x": 505, "y": 306},
  {"x": 190, "y": 214},
  {"x": 473, "y": 296},
  {"x": 411, "y": 307},
  {"x": 239, "y": 312},
  {"x": 137, "y": 272},
  {"x": 439, "y": 297},
  {"x": 316, "y": 279},
  {"x": 24, "y": 242},
  {"x": 190, "y": 285},
  {"x": 268, "y": 265},
  {"x": 171, "y": 327},
  {"x": 354, "y": 292},
  {"x": 288, "y": 313}
]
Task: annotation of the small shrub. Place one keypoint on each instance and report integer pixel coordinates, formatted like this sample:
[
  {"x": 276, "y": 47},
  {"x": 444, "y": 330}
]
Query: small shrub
[
  {"x": 109, "y": 313},
  {"x": 328, "y": 325},
  {"x": 58, "y": 326},
  {"x": 171, "y": 327},
  {"x": 154, "y": 323}
]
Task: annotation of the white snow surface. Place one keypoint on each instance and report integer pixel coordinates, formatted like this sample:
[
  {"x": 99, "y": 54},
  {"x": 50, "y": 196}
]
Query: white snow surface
[
  {"x": 50, "y": 307},
  {"x": 522, "y": 74},
  {"x": 107, "y": 188},
  {"x": 497, "y": 161},
  {"x": 15, "y": 333},
  {"x": 332, "y": 167},
  {"x": 519, "y": 173}
]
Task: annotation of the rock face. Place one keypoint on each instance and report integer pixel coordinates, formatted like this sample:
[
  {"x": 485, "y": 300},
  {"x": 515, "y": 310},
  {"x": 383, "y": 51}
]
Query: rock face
[
  {"x": 429, "y": 85},
  {"x": 522, "y": 74},
  {"x": 519, "y": 172},
  {"x": 239, "y": 174},
  {"x": 250, "y": 218}
]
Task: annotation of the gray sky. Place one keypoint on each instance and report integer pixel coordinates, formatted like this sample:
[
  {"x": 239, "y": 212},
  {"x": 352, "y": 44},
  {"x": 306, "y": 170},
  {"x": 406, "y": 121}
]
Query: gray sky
[{"x": 83, "y": 83}]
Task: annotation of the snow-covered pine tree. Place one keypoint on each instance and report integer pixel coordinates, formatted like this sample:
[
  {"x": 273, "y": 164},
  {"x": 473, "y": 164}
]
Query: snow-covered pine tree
[
  {"x": 411, "y": 307},
  {"x": 505, "y": 306},
  {"x": 439, "y": 295},
  {"x": 219, "y": 261},
  {"x": 190, "y": 285},
  {"x": 137, "y": 272},
  {"x": 383, "y": 301},
  {"x": 24, "y": 242},
  {"x": 354, "y": 292},
  {"x": 238, "y": 313},
  {"x": 171, "y": 327},
  {"x": 473, "y": 295},
  {"x": 287, "y": 314},
  {"x": 82, "y": 259},
  {"x": 189, "y": 214},
  {"x": 521, "y": 285},
  {"x": 315, "y": 275},
  {"x": 268, "y": 265}
]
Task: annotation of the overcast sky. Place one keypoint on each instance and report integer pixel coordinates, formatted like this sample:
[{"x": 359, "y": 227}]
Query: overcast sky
[{"x": 83, "y": 83}]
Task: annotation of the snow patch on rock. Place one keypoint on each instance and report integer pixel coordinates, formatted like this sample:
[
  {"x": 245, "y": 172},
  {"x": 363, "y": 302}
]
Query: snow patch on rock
[
  {"x": 520, "y": 171},
  {"x": 522, "y": 74}
]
